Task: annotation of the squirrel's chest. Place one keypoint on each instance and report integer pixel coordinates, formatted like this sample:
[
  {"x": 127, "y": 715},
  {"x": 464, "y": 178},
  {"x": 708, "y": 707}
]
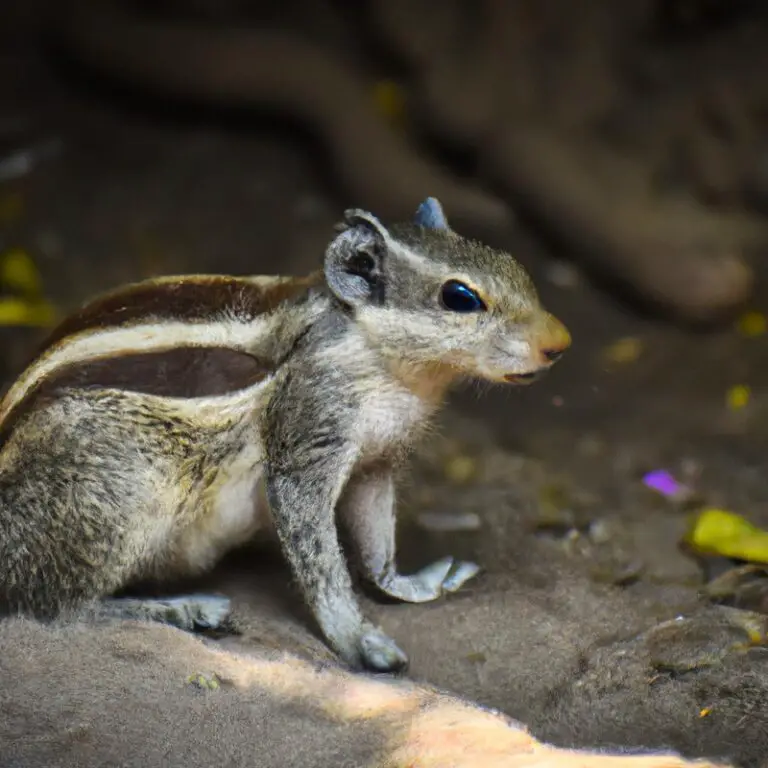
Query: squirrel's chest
[
  {"x": 229, "y": 512},
  {"x": 389, "y": 418}
]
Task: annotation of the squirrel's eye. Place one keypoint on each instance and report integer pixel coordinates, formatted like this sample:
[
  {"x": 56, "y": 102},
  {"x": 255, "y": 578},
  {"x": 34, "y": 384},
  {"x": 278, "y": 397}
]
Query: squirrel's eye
[{"x": 460, "y": 298}]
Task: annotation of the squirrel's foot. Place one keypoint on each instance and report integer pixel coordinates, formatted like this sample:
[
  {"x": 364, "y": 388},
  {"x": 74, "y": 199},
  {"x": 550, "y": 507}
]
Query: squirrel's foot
[
  {"x": 444, "y": 575},
  {"x": 377, "y": 652}
]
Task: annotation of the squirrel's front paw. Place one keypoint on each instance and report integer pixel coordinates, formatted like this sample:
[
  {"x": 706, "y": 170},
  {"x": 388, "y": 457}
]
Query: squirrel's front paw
[{"x": 445, "y": 575}]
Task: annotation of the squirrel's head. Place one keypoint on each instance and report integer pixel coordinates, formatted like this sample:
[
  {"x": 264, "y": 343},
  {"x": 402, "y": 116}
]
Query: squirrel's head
[{"x": 427, "y": 295}]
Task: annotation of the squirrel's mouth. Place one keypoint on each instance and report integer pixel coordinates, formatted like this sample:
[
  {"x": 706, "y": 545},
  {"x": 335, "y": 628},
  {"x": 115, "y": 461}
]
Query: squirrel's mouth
[{"x": 523, "y": 378}]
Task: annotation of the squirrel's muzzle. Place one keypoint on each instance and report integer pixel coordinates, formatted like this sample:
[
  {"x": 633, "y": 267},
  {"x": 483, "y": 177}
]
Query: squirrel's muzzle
[
  {"x": 551, "y": 340},
  {"x": 548, "y": 341}
]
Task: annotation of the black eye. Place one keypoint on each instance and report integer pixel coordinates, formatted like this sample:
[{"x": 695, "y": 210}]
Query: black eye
[
  {"x": 361, "y": 264},
  {"x": 460, "y": 298}
]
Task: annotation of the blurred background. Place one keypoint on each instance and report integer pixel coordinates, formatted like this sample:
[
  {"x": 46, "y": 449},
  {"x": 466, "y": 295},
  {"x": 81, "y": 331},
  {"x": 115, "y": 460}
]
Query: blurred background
[{"x": 618, "y": 149}]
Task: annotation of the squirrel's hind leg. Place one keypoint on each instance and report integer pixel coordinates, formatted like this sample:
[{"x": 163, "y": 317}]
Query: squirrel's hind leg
[{"x": 194, "y": 612}]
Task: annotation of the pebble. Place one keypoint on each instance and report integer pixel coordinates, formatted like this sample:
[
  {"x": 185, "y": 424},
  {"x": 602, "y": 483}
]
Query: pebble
[{"x": 449, "y": 521}]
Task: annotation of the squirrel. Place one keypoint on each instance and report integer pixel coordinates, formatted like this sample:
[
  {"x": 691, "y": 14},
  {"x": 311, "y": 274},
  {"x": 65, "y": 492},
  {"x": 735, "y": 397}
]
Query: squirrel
[{"x": 169, "y": 421}]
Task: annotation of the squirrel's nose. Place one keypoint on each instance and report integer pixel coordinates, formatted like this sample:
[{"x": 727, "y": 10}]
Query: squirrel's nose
[
  {"x": 553, "y": 355},
  {"x": 554, "y": 339}
]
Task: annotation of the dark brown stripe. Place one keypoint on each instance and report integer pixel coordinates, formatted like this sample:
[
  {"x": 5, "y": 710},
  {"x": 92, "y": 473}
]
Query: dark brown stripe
[
  {"x": 193, "y": 298},
  {"x": 179, "y": 372}
]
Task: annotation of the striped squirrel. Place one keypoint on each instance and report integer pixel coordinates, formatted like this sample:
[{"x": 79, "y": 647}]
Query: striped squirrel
[{"x": 169, "y": 421}]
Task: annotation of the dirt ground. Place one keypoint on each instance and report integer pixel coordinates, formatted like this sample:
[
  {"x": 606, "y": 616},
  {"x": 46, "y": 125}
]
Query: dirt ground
[{"x": 565, "y": 629}]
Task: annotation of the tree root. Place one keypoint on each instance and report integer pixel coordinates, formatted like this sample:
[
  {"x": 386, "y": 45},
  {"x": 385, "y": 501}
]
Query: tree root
[
  {"x": 474, "y": 85},
  {"x": 671, "y": 253},
  {"x": 376, "y": 167},
  {"x": 474, "y": 90}
]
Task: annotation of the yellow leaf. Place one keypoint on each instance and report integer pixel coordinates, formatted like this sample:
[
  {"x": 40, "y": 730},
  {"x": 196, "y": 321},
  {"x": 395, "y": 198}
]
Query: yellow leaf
[
  {"x": 18, "y": 272},
  {"x": 752, "y": 324},
  {"x": 38, "y": 314},
  {"x": 718, "y": 531},
  {"x": 389, "y": 100},
  {"x": 11, "y": 208},
  {"x": 625, "y": 350},
  {"x": 737, "y": 397},
  {"x": 460, "y": 469}
]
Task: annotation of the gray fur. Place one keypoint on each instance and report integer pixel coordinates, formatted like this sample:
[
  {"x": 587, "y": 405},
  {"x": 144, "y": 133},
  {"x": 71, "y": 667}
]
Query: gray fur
[{"x": 102, "y": 488}]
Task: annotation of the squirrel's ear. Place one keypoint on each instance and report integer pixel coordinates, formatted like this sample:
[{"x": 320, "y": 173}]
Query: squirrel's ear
[
  {"x": 430, "y": 215},
  {"x": 355, "y": 259}
]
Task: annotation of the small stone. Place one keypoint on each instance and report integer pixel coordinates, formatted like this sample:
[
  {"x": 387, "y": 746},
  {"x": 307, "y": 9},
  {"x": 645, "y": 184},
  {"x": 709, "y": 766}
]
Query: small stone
[
  {"x": 449, "y": 521},
  {"x": 563, "y": 274},
  {"x": 600, "y": 532}
]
